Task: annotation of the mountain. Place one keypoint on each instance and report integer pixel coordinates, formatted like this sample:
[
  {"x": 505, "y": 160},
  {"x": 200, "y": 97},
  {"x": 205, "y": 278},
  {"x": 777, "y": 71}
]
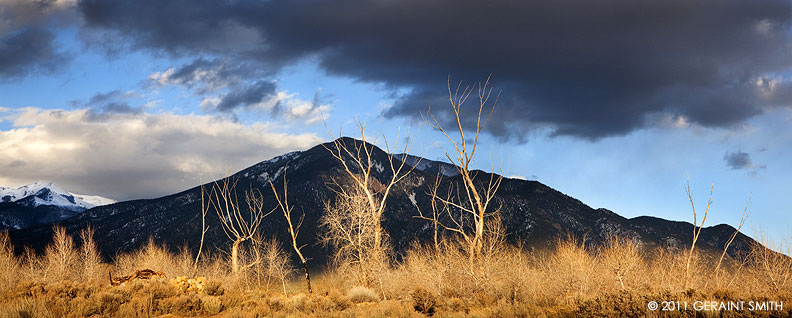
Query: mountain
[
  {"x": 532, "y": 213},
  {"x": 40, "y": 203}
]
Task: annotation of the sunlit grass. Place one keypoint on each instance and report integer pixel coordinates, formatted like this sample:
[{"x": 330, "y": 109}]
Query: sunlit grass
[{"x": 571, "y": 279}]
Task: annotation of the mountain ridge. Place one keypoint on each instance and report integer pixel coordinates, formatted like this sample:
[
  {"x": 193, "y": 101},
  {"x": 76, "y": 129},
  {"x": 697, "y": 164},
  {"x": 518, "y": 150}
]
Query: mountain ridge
[{"x": 533, "y": 214}]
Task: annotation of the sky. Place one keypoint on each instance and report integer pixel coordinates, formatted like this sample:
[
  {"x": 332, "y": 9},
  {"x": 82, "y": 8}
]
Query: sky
[{"x": 617, "y": 102}]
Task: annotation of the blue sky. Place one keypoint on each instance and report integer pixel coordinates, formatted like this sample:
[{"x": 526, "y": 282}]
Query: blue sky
[{"x": 114, "y": 118}]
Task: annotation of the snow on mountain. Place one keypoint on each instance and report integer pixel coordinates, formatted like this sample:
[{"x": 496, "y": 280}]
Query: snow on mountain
[
  {"x": 94, "y": 200},
  {"x": 429, "y": 166},
  {"x": 47, "y": 193}
]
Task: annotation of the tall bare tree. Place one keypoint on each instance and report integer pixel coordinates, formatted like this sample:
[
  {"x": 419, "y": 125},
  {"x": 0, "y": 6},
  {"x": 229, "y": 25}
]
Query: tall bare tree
[
  {"x": 283, "y": 204},
  {"x": 354, "y": 221},
  {"x": 350, "y": 230},
  {"x": 60, "y": 257},
  {"x": 204, "y": 227},
  {"x": 730, "y": 241},
  {"x": 237, "y": 224},
  {"x": 697, "y": 227},
  {"x": 90, "y": 258},
  {"x": 471, "y": 198}
]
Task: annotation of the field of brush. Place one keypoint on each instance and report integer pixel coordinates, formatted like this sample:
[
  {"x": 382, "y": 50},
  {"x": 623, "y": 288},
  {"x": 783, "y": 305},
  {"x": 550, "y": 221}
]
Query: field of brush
[{"x": 618, "y": 279}]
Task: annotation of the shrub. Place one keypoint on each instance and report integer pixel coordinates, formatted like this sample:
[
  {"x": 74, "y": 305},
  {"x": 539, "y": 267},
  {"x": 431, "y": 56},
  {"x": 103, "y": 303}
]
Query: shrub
[
  {"x": 340, "y": 301},
  {"x": 211, "y": 304},
  {"x": 151, "y": 256},
  {"x": 180, "y": 304},
  {"x": 621, "y": 260},
  {"x": 362, "y": 294},
  {"x": 573, "y": 270},
  {"x": 214, "y": 288},
  {"x": 423, "y": 301}
]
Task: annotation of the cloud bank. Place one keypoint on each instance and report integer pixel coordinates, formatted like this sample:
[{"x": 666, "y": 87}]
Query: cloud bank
[
  {"x": 588, "y": 69},
  {"x": 130, "y": 156}
]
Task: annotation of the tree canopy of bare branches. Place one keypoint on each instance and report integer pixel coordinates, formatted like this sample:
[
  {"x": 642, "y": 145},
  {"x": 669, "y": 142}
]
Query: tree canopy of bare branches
[
  {"x": 237, "y": 224},
  {"x": 697, "y": 227},
  {"x": 466, "y": 205},
  {"x": 353, "y": 221}
]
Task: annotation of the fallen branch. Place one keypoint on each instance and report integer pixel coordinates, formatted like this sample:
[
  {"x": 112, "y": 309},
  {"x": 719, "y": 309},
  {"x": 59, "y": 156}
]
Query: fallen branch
[{"x": 139, "y": 274}]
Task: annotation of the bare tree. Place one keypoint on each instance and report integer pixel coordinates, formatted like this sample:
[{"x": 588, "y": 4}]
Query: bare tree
[
  {"x": 89, "y": 254},
  {"x": 284, "y": 206},
  {"x": 354, "y": 220},
  {"x": 350, "y": 229},
  {"x": 770, "y": 262},
  {"x": 437, "y": 211},
  {"x": 359, "y": 166},
  {"x": 696, "y": 229},
  {"x": 276, "y": 262},
  {"x": 204, "y": 227},
  {"x": 731, "y": 239},
  {"x": 60, "y": 257},
  {"x": 265, "y": 263},
  {"x": 470, "y": 199},
  {"x": 237, "y": 224},
  {"x": 621, "y": 257},
  {"x": 11, "y": 266}
]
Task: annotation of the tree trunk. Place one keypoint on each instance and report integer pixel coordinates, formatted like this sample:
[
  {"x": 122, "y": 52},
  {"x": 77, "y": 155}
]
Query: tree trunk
[
  {"x": 283, "y": 283},
  {"x": 235, "y": 256},
  {"x": 307, "y": 277},
  {"x": 436, "y": 243}
]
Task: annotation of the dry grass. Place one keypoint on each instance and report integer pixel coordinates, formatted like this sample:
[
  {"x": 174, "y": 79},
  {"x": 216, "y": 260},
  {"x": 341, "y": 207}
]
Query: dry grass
[
  {"x": 616, "y": 279},
  {"x": 10, "y": 264}
]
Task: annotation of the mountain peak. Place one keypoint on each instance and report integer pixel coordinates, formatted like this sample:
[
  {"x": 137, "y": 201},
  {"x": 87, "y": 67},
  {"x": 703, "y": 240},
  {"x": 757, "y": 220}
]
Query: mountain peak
[{"x": 48, "y": 193}]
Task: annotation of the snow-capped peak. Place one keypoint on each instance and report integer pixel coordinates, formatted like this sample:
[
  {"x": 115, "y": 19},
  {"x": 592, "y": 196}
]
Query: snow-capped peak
[
  {"x": 48, "y": 193},
  {"x": 94, "y": 200}
]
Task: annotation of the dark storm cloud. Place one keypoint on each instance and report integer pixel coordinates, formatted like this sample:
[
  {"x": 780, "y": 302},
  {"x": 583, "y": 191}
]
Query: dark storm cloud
[
  {"x": 27, "y": 42},
  {"x": 589, "y": 69},
  {"x": 178, "y": 27},
  {"x": 28, "y": 50},
  {"x": 247, "y": 96},
  {"x": 17, "y": 14}
]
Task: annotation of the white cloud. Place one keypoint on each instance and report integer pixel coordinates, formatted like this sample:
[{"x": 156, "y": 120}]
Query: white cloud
[
  {"x": 205, "y": 76},
  {"x": 124, "y": 157},
  {"x": 209, "y": 103},
  {"x": 765, "y": 27},
  {"x": 162, "y": 78},
  {"x": 293, "y": 108},
  {"x": 204, "y": 79},
  {"x": 282, "y": 104}
]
